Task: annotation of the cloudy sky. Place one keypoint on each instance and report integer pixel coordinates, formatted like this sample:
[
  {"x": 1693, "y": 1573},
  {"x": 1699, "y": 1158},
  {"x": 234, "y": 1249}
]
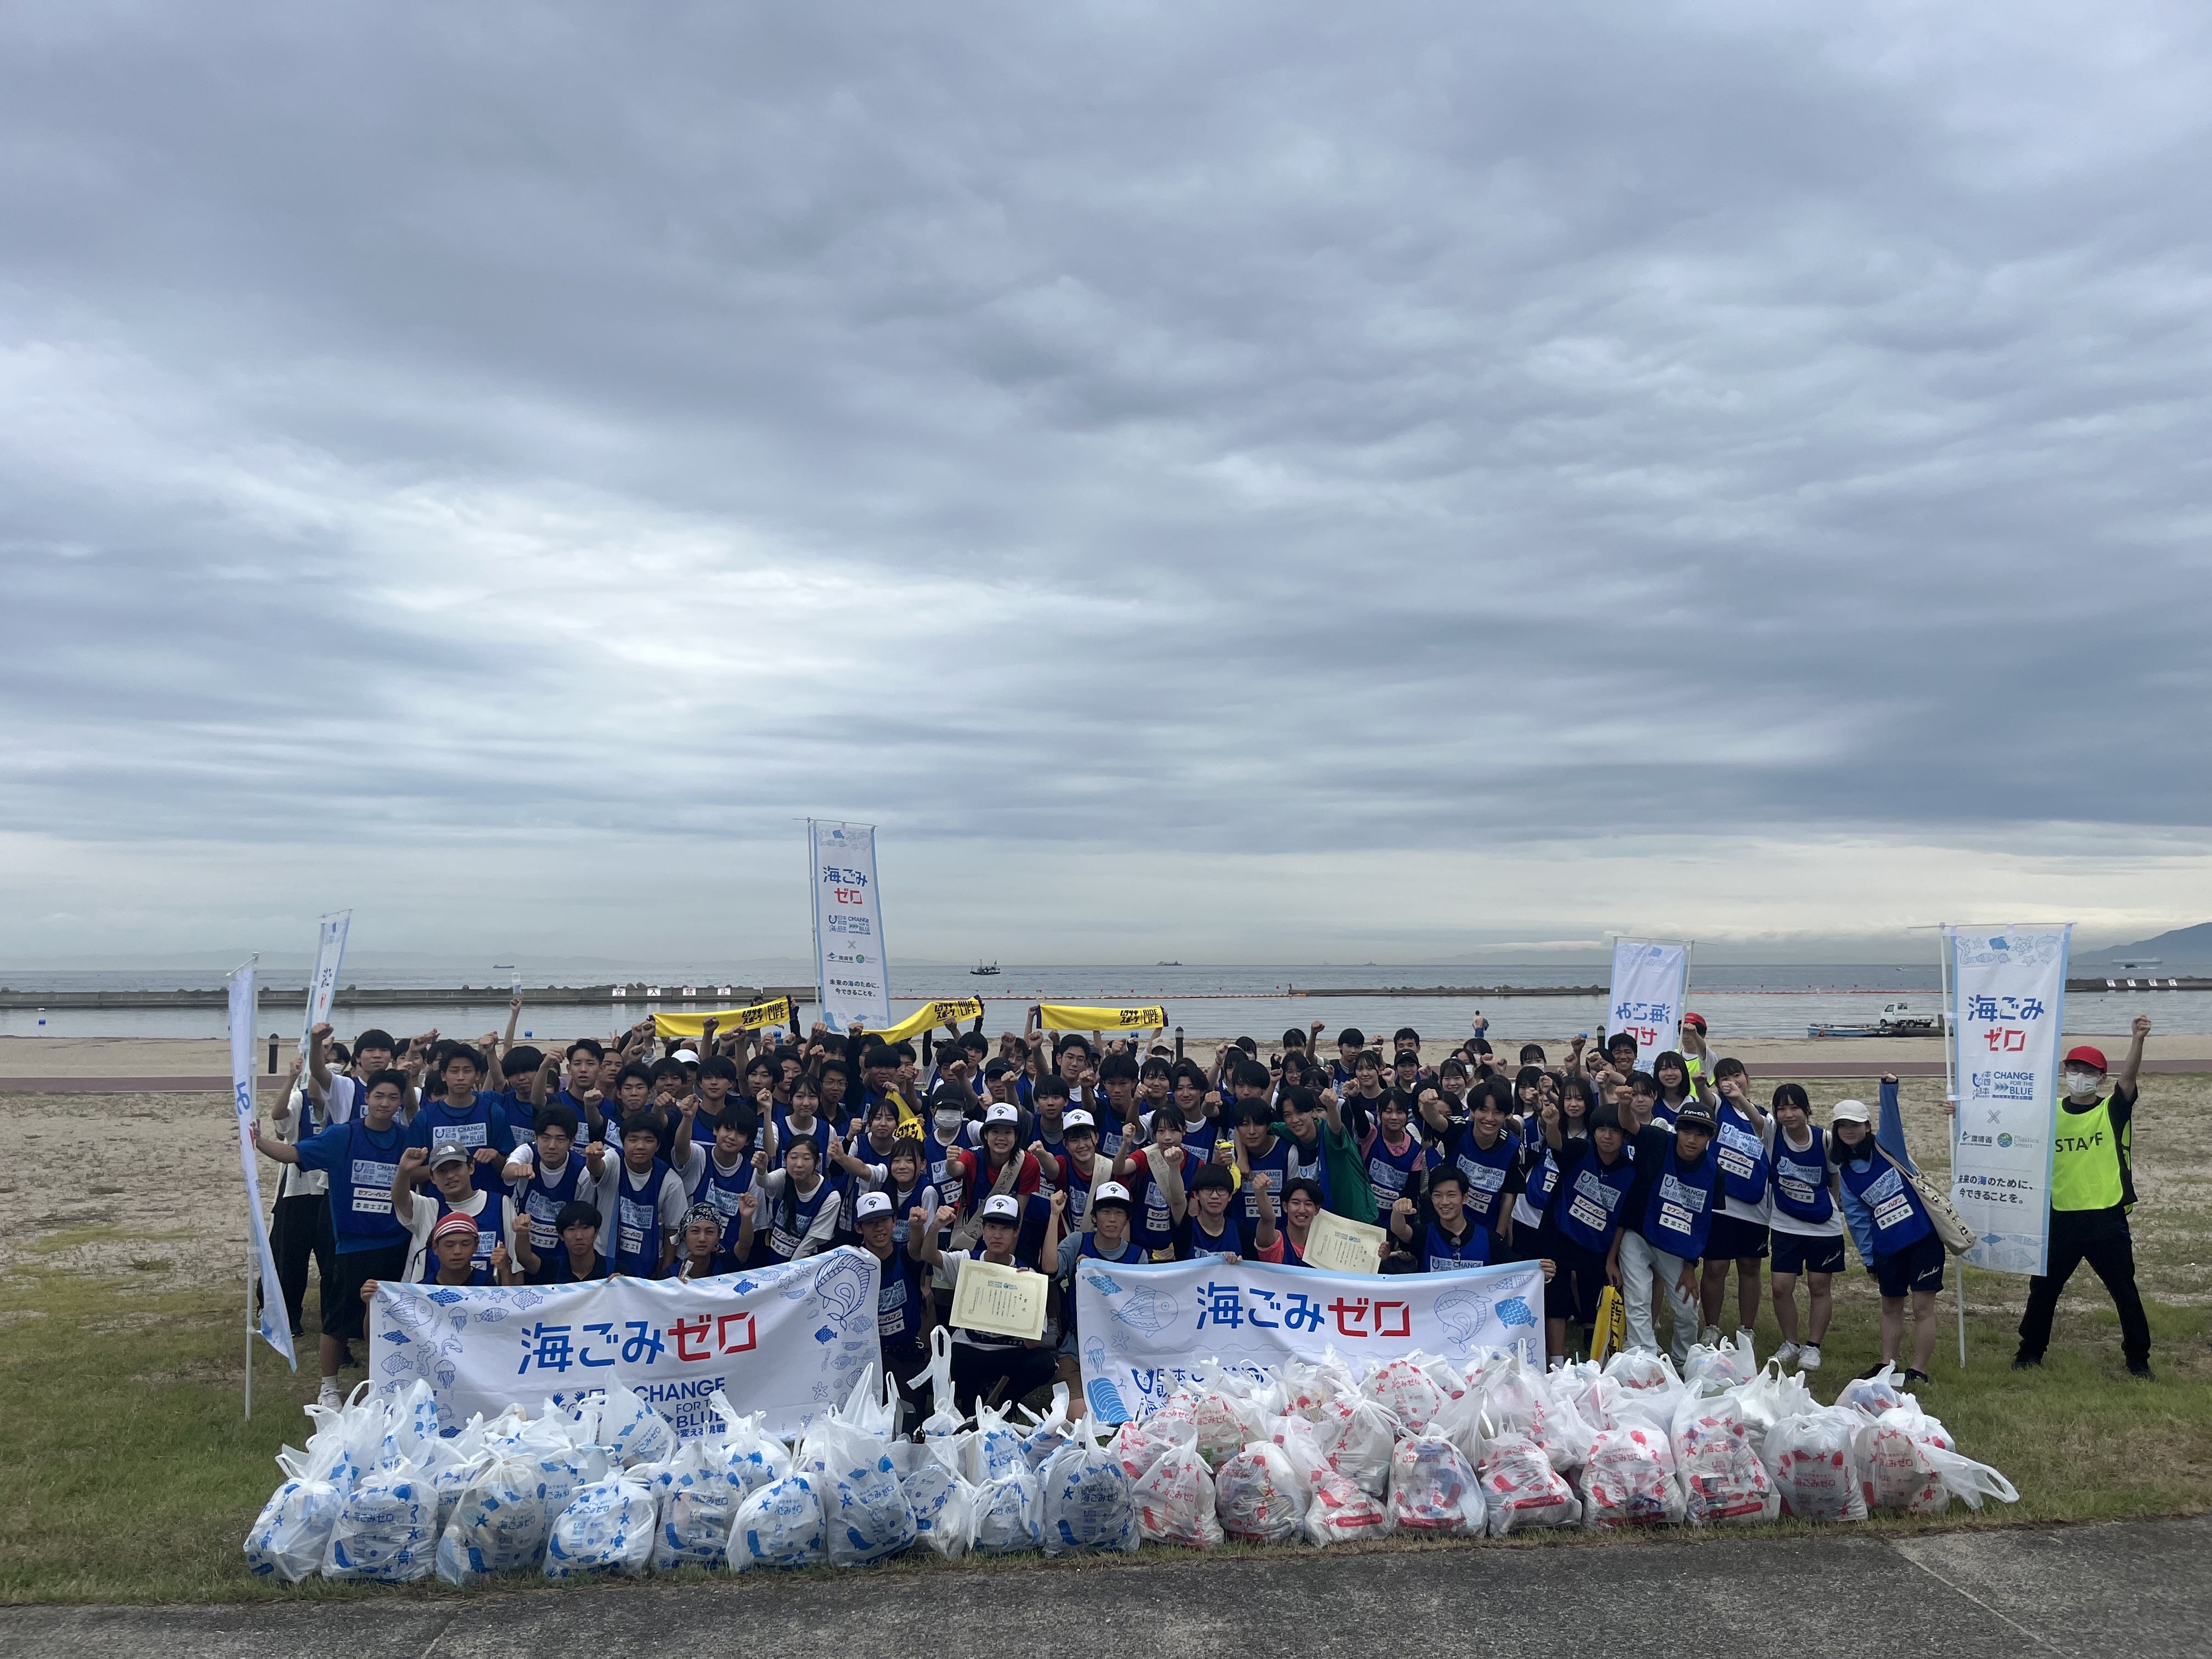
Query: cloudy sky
[{"x": 1253, "y": 483}]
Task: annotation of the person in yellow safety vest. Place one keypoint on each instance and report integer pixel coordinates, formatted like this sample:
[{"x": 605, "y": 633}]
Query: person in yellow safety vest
[{"x": 2092, "y": 1190}]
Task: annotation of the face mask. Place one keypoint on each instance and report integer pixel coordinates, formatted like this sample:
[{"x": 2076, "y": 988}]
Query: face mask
[
  {"x": 2083, "y": 1082},
  {"x": 948, "y": 1122}
]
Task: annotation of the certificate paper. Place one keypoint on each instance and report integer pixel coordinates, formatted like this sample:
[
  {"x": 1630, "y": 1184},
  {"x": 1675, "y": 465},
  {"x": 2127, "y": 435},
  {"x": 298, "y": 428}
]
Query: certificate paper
[
  {"x": 1337, "y": 1245},
  {"x": 1004, "y": 1301}
]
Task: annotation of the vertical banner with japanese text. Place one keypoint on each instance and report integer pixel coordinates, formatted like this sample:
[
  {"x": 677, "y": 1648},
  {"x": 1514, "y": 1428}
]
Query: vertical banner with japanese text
[
  {"x": 330, "y": 959},
  {"x": 1143, "y": 1329},
  {"x": 788, "y": 1341},
  {"x": 2007, "y": 1014},
  {"x": 1649, "y": 983},
  {"x": 275, "y": 1326},
  {"x": 849, "y": 926}
]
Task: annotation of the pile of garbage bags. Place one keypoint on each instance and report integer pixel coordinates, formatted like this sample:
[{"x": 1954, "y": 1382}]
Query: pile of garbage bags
[{"x": 1422, "y": 1445}]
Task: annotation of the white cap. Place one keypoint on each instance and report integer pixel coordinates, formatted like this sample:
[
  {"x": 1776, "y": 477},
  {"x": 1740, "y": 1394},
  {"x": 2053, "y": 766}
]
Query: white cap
[
  {"x": 1002, "y": 1206},
  {"x": 1001, "y": 1113},
  {"x": 1851, "y": 1111},
  {"x": 873, "y": 1204},
  {"x": 1078, "y": 1118},
  {"x": 1110, "y": 1192},
  {"x": 686, "y": 1056}
]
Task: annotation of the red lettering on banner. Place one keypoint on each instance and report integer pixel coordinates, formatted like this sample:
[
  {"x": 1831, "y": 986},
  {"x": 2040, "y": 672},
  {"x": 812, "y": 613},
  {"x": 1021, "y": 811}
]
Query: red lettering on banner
[{"x": 745, "y": 1322}]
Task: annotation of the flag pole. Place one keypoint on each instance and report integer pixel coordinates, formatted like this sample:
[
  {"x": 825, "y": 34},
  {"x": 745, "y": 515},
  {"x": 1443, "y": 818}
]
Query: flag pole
[
  {"x": 1948, "y": 1016},
  {"x": 253, "y": 1255}
]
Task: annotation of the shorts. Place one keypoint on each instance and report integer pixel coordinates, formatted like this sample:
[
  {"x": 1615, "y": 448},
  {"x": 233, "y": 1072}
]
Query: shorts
[
  {"x": 1918, "y": 1267},
  {"x": 1803, "y": 1253},
  {"x": 345, "y": 1315},
  {"x": 1573, "y": 1291},
  {"x": 1732, "y": 1238}
]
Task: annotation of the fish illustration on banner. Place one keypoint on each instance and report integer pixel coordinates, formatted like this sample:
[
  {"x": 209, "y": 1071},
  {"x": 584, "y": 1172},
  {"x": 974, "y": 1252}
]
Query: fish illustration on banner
[{"x": 783, "y": 1339}]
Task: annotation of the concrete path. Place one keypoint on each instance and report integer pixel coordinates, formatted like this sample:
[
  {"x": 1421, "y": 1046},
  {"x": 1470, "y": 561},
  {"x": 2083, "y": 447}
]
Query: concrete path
[{"x": 2136, "y": 1590}]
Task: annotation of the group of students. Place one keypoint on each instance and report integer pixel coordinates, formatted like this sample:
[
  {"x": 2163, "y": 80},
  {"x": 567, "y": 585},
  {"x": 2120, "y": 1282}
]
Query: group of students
[{"x": 609, "y": 1160}]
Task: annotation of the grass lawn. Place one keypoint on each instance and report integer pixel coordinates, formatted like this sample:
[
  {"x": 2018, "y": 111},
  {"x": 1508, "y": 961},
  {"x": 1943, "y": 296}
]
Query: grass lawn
[{"x": 136, "y": 1476}]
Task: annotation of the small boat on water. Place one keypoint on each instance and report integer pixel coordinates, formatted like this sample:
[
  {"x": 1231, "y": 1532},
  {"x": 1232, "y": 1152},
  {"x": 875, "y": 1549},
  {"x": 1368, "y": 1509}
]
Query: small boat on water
[
  {"x": 984, "y": 969},
  {"x": 1167, "y": 964}
]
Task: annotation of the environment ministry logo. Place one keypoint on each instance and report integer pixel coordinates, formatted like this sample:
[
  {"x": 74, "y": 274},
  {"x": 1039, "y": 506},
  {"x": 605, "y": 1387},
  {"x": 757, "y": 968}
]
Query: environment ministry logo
[{"x": 2004, "y": 1141}]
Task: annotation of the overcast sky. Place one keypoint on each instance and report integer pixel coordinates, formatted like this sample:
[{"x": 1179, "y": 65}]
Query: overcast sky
[{"x": 1246, "y": 483}]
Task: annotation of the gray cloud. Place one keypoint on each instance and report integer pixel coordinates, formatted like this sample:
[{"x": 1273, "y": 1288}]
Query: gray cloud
[{"x": 1268, "y": 431}]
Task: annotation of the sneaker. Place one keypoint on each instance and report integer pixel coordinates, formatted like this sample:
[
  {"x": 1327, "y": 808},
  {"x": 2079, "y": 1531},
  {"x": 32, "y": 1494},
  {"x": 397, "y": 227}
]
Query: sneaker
[
  {"x": 1788, "y": 1351},
  {"x": 1711, "y": 1336},
  {"x": 1916, "y": 1378},
  {"x": 329, "y": 1398},
  {"x": 1874, "y": 1369},
  {"x": 1808, "y": 1360},
  {"x": 2142, "y": 1369}
]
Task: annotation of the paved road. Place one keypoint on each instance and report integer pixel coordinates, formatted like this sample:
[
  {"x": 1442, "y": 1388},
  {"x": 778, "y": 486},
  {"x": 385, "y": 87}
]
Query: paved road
[{"x": 2132, "y": 1591}]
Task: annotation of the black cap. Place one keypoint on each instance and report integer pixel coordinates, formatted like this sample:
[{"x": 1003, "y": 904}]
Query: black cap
[{"x": 1693, "y": 1115}]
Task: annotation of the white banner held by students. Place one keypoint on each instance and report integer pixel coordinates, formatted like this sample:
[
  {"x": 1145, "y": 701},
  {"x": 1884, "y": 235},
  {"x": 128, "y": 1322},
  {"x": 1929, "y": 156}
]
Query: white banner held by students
[
  {"x": 329, "y": 958},
  {"x": 1144, "y": 1327},
  {"x": 2007, "y": 1012},
  {"x": 275, "y": 1326},
  {"x": 849, "y": 926},
  {"x": 788, "y": 1340},
  {"x": 1649, "y": 984}
]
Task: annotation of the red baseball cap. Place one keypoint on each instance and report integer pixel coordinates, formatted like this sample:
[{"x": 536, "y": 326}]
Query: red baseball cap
[
  {"x": 1697, "y": 1020},
  {"x": 2087, "y": 1056}
]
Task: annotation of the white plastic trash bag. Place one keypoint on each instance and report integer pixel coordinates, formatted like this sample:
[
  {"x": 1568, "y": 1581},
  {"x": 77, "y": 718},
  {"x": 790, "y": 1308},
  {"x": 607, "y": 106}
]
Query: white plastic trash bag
[
  {"x": 1723, "y": 1480},
  {"x": 385, "y": 1530},
  {"x": 608, "y": 1526},
  {"x": 631, "y": 1430},
  {"x": 1629, "y": 1480},
  {"x": 1087, "y": 1501},
  {"x": 501, "y": 1519},
  {"x": 1258, "y": 1495},
  {"x": 1175, "y": 1499},
  {"x": 1870, "y": 1396},
  {"x": 1433, "y": 1490},
  {"x": 1342, "y": 1511},
  {"x": 698, "y": 1490},
  {"x": 1814, "y": 1460},
  {"x": 1520, "y": 1487},
  {"x": 943, "y": 1506},
  {"x": 1007, "y": 1512},
  {"x": 1645, "y": 1387},
  {"x": 292, "y": 1535},
  {"x": 1405, "y": 1390},
  {"x": 1356, "y": 1437},
  {"x": 1908, "y": 1466},
  {"x": 994, "y": 1450},
  {"x": 1730, "y": 1364},
  {"x": 779, "y": 1526}
]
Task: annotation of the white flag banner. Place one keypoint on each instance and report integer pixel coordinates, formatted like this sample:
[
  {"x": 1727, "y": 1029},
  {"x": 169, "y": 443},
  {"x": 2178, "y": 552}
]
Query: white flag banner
[
  {"x": 1649, "y": 984},
  {"x": 329, "y": 958},
  {"x": 2007, "y": 1012},
  {"x": 1144, "y": 1327},
  {"x": 788, "y": 1341},
  {"x": 275, "y": 1325},
  {"x": 849, "y": 926}
]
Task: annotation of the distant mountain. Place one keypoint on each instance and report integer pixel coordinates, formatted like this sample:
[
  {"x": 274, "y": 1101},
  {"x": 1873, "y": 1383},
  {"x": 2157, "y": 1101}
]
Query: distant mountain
[{"x": 2182, "y": 945}]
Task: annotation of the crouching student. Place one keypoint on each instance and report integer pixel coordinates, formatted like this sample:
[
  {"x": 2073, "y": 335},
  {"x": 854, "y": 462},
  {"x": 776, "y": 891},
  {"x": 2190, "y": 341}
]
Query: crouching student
[
  {"x": 545, "y": 1175},
  {"x": 1664, "y": 1227},
  {"x": 453, "y": 1248},
  {"x": 903, "y": 1310},
  {"x": 1440, "y": 1230},
  {"x": 710, "y": 1246},
  {"x": 1808, "y": 1225},
  {"x": 1302, "y": 1202},
  {"x": 986, "y": 1365},
  {"x": 454, "y": 1192},
  {"x": 1577, "y": 1231},
  {"x": 1908, "y": 1256},
  {"x": 574, "y": 1258},
  {"x": 361, "y": 1156}
]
